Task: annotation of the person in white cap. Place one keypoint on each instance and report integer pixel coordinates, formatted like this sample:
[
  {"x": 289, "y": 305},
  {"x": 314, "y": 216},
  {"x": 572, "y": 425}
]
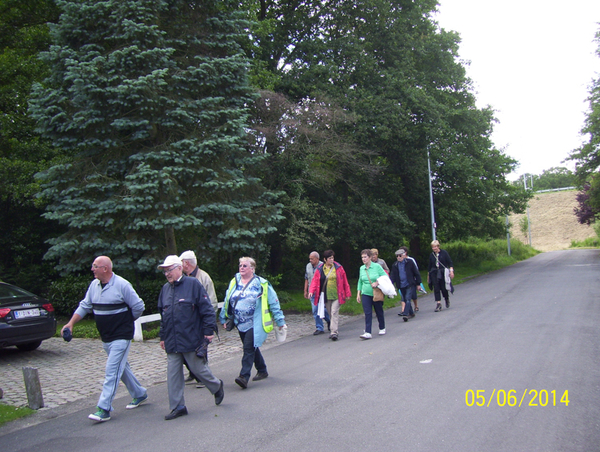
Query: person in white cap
[
  {"x": 190, "y": 268},
  {"x": 187, "y": 324}
]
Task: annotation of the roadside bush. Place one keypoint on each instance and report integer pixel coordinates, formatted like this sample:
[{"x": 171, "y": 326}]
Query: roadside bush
[
  {"x": 148, "y": 290},
  {"x": 487, "y": 255},
  {"x": 66, "y": 293},
  {"x": 590, "y": 242}
]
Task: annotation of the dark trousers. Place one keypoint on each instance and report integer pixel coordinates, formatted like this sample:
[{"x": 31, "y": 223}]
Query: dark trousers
[
  {"x": 252, "y": 355},
  {"x": 408, "y": 293},
  {"x": 368, "y": 305},
  {"x": 439, "y": 285}
]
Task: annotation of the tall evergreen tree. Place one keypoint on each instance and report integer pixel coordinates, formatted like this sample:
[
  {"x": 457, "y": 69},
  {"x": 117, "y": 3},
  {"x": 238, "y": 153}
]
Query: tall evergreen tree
[{"x": 150, "y": 99}]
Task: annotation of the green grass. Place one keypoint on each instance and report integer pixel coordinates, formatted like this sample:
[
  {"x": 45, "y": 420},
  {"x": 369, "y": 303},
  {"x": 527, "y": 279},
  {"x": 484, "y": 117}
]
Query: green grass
[
  {"x": 10, "y": 413},
  {"x": 85, "y": 328},
  {"x": 590, "y": 242}
]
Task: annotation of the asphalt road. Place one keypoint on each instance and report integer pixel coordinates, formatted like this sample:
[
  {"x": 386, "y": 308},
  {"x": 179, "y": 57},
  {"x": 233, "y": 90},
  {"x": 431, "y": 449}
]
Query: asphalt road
[{"x": 532, "y": 328}]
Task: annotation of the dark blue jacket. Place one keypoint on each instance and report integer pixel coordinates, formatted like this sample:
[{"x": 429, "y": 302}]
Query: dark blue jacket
[
  {"x": 186, "y": 314},
  {"x": 412, "y": 273}
]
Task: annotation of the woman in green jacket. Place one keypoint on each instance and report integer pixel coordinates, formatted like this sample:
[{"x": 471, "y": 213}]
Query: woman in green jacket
[{"x": 367, "y": 280}]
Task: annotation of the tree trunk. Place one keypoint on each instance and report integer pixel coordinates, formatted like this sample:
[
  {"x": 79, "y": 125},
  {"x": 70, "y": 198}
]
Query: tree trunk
[{"x": 170, "y": 242}]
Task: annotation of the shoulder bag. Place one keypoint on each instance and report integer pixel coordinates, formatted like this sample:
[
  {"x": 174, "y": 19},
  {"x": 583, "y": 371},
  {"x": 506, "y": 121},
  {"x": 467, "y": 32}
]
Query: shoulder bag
[{"x": 377, "y": 293}]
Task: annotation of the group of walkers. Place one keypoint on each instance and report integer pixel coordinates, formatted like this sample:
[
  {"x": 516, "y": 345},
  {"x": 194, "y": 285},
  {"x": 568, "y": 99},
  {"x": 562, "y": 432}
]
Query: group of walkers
[
  {"x": 188, "y": 324},
  {"x": 326, "y": 286},
  {"x": 188, "y": 303}
]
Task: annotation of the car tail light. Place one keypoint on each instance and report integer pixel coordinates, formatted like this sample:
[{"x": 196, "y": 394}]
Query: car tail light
[
  {"x": 48, "y": 307},
  {"x": 4, "y": 312}
]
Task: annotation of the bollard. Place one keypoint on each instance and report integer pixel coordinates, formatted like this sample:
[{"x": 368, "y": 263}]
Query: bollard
[{"x": 33, "y": 388}]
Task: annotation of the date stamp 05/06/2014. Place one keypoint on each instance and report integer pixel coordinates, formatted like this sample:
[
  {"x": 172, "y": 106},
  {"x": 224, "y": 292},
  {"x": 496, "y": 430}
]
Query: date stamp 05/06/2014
[{"x": 530, "y": 397}]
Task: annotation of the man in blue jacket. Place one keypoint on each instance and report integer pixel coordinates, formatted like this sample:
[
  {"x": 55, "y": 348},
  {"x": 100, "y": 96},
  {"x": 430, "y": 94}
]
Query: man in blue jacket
[
  {"x": 405, "y": 275},
  {"x": 187, "y": 326}
]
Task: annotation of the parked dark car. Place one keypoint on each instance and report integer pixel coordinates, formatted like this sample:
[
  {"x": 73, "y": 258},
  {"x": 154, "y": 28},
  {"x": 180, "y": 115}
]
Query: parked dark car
[{"x": 25, "y": 319}]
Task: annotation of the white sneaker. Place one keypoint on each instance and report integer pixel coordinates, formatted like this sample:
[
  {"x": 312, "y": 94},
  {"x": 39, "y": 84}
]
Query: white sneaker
[
  {"x": 366, "y": 336},
  {"x": 382, "y": 332}
]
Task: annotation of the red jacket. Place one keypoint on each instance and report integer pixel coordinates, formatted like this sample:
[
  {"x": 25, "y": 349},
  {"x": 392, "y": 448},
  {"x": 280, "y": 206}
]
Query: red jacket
[{"x": 343, "y": 288}]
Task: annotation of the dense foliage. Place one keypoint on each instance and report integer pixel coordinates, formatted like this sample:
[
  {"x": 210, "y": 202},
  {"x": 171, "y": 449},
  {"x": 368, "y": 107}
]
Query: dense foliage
[
  {"x": 23, "y": 231},
  {"x": 587, "y": 157},
  {"x": 264, "y": 128},
  {"x": 389, "y": 67}
]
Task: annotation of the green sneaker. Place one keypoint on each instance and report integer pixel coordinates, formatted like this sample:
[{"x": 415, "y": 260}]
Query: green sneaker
[
  {"x": 100, "y": 415},
  {"x": 137, "y": 402}
]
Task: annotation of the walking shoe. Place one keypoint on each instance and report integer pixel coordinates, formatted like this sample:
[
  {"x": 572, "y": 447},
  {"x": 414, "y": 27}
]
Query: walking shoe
[
  {"x": 219, "y": 394},
  {"x": 241, "y": 382},
  {"x": 333, "y": 337},
  {"x": 190, "y": 379},
  {"x": 405, "y": 318},
  {"x": 438, "y": 307},
  {"x": 382, "y": 332},
  {"x": 366, "y": 335},
  {"x": 200, "y": 386},
  {"x": 260, "y": 376},
  {"x": 447, "y": 303},
  {"x": 317, "y": 332},
  {"x": 177, "y": 412},
  {"x": 416, "y": 309},
  {"x": 137, "y": 402},
  {"x": 100, "y": 415}
]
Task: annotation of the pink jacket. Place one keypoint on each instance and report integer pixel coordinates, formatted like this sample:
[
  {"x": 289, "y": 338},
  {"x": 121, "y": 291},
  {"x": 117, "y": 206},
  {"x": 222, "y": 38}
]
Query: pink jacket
[{"x": 343, "y": 288}]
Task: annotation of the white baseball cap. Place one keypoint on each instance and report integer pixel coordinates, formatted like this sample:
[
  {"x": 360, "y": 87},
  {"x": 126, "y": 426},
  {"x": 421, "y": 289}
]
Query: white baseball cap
[
  {"x": 170, "y": 261},
  {"x": 189, "y": 254}
]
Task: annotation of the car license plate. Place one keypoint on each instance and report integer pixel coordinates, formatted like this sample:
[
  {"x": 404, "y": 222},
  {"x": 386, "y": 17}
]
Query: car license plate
[{"x": 27, "y": 313}]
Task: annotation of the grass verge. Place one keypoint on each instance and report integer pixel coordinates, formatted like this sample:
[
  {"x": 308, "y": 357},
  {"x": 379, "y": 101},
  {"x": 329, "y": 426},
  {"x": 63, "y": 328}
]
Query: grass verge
[{"x": 10, "y": 413}]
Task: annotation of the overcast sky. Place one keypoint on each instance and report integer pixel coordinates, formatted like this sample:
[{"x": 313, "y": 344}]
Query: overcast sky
[{"x": 533, "y": 62}]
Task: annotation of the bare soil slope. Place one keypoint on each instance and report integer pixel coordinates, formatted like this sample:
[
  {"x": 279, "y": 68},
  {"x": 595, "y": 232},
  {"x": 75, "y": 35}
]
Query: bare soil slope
[{"x": 553, "y": 223}]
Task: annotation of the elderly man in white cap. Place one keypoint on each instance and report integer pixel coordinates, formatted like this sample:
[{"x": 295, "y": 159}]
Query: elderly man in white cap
[
  {"x": 187, "y": 325},
  {"x": 190, "y": 268}
]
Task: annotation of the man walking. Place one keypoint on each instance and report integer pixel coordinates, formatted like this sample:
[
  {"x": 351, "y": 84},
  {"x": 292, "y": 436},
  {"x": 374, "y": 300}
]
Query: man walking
[
  {"x": 308, "y": 276},
  {"x": 190, "y": 268},
  {"x": 115, "y": 305},
  {"x": 406, "y": 276},
  {"x": 187, "y": 326}
]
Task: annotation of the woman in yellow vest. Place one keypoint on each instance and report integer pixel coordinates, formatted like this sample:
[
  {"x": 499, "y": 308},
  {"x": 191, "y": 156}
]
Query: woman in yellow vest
[{"x": 253, "y": 305}]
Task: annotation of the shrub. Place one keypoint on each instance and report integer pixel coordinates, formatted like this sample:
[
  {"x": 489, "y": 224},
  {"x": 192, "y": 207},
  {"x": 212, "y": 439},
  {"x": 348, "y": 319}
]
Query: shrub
[{"x": 66, "y": 293}]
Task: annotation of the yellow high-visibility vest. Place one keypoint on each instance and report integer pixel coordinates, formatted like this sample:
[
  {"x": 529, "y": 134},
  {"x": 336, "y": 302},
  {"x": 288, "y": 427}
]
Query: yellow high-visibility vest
[{"x": 267, "y": 318}]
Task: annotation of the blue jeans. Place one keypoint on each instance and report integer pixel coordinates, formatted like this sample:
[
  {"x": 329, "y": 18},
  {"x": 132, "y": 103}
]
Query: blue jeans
[
  {"x": 117, "y": 368},
  {"x": 368, "y": 305},
  {"x": 252, "y": 355},
  {"x": 408, "y": 294},
  {"x": 318, "y": 320}
]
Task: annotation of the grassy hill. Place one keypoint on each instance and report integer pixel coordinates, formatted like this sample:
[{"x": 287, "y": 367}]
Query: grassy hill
[{"x": 553, "y": 223}]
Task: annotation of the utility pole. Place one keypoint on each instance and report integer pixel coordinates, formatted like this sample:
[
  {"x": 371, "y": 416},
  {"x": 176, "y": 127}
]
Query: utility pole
[
  {"x": 528, "y": 218},
  {"x": 431, "y": 197}
]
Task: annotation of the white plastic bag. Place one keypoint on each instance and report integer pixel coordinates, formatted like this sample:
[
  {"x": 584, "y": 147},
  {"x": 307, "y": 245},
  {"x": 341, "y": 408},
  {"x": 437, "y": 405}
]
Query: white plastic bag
[
  {"x": 281, "y": 334},
  {"x": 321, "y": 306},
  {"x": 386, "y": 286}
]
